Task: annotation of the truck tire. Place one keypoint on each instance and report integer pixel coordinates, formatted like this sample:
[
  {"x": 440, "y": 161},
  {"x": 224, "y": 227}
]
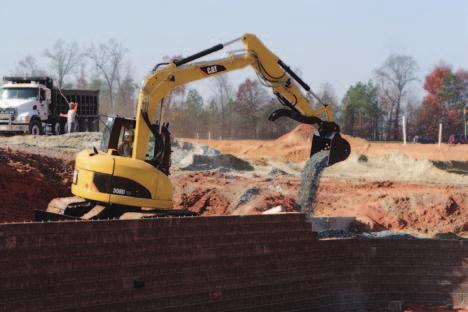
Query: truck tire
[
  {"x": 57, "y": 128},
  {"x": 35, "y": 127}
]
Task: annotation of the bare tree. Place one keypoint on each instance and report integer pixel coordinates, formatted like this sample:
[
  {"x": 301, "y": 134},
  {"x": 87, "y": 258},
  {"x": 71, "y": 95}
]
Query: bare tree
[
  {"x": 108, "y": 58},
  {"x": 328, "y": 95},
  {"x": 126, "y": 93},
  {"x": 81, "y": 78},
  {"x": 251, "y": 97},
  {"x": 223, "y": 93},
  {"x": 64, "y": 58},
  {"x": 394, "y": 77},
  {"x": 27, "y": 66}
]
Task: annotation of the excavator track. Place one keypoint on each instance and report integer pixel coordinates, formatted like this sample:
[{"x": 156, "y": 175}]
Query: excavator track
[{"x": 76, "y": 208}]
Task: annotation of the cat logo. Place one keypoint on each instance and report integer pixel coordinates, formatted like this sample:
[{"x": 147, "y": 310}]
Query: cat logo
[{"x": 212, "y": 69}]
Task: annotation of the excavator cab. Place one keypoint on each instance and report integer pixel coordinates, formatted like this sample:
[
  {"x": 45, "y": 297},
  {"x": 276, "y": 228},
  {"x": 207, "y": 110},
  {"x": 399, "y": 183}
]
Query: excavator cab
[
  {"x": 118, "y": 135},
  {"x": 115, "y": 134}
]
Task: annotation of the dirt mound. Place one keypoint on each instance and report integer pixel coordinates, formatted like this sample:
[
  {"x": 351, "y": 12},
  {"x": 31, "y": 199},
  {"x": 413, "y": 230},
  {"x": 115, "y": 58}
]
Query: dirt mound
[
  {"x": 29, "y": 182},
  {"x": 302, "y": 134},
  {"x": 399, "y": 167}
]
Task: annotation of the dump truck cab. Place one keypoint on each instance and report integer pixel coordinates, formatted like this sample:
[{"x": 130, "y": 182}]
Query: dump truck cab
[{"x": 24, "y": 106}]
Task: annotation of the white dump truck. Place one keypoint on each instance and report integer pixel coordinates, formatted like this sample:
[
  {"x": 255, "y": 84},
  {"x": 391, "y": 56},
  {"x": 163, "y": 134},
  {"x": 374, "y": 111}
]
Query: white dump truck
[{"x": 33, "y": 105}]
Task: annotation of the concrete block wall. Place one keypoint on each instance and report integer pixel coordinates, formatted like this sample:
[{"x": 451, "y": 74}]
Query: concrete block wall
[{"x": 229, "y": 263}]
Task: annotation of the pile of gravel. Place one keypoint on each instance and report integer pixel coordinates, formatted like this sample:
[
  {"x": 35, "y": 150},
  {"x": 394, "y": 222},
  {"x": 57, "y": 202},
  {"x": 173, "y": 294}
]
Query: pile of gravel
[{"x": 197, "y": 157}]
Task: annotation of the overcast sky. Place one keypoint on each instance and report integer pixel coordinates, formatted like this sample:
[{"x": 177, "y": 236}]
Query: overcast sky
[{"x": 337, "y": 41}]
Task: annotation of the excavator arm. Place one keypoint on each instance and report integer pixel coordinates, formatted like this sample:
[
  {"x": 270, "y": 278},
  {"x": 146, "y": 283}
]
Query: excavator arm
[{"x": 271, "y": 70}]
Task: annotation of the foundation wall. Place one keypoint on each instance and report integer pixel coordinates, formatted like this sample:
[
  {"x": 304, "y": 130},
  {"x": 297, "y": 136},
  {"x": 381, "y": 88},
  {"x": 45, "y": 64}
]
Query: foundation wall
[{"x": 229, "y": 263}]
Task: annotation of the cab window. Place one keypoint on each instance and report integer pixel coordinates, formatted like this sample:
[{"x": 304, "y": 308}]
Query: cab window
[{"x": 150, "y": 149}]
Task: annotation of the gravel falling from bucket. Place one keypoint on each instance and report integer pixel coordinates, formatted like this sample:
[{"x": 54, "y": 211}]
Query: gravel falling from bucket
[{"x": 310, "y": 179}]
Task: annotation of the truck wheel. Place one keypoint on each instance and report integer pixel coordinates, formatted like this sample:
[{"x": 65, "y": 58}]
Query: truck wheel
[
  {"x": 57, "y": 128},
  {"x": 35, "y": 127}
]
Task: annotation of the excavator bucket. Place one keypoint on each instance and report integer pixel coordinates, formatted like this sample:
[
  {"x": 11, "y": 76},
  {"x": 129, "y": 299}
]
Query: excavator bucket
[{"x": 339, "y": 148}]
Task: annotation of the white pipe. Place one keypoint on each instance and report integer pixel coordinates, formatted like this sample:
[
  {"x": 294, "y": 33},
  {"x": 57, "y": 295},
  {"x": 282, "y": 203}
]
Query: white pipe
[
  {"x": 440, "y": 134},
  {"x": 404, "y": 130}
]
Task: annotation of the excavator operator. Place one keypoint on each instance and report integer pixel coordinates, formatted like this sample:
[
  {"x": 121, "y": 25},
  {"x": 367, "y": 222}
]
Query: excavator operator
[{"x": 125, "y": 148}]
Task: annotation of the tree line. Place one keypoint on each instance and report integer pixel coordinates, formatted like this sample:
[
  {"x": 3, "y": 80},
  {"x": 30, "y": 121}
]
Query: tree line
[
  {"x": 101, "y": 67},
  {"x": 372, "y": 110}
]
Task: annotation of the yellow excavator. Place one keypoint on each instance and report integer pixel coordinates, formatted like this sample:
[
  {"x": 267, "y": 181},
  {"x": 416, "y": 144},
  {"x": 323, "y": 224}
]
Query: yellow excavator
[{"x": 108, "y": 184}]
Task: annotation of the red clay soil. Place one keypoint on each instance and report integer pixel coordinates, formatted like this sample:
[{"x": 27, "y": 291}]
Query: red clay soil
[
  {"x": 208, "y": 201},
  {"x": 30, "y": 181},
  {"x": 425, "y": 208}
]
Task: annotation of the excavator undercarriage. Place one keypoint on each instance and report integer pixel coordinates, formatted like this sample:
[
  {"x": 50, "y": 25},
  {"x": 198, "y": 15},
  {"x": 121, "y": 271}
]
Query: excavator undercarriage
[{"x": 76, "y": 208}]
